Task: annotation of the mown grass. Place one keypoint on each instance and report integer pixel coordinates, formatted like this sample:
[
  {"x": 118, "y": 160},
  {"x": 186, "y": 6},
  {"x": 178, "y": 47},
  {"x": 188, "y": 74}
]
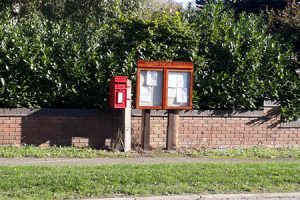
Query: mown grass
[
  {"x": 251, "y": 152},
  {"x": 27, "y": 182},
  {"x": 72, "y": 152},
  {"x": 58, "y": 152}
]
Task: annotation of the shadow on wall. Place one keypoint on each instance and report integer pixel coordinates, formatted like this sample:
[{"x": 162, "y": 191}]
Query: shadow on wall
[
  {"x": 271, "y": 117},
  {"x": 70, "y": 127}
]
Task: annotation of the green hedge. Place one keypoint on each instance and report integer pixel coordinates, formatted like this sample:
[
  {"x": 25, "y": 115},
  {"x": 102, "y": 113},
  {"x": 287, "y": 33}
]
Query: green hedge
[
  {"x": 67, "y": 60},
  {"x": 285, "y": 26}
]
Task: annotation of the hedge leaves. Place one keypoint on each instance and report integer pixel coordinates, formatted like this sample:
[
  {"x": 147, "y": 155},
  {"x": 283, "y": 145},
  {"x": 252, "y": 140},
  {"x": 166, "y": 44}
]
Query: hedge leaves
[{"x": 63, "y": 58}]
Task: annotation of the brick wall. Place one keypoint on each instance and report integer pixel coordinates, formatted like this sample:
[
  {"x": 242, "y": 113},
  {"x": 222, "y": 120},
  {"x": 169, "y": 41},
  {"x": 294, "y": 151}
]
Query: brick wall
[
  {"x": 10, "y": 129},
  {"x": 96, "y": 128},
  {"x": 223, "y": 129},
  {"x": 46, "y": 127}
]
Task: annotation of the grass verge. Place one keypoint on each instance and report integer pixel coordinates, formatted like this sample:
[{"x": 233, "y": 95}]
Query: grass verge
[
  {"x": 26, "y": 182},
  {"x": 58, "y": 152},
  {"x": 72, "y": 152}
]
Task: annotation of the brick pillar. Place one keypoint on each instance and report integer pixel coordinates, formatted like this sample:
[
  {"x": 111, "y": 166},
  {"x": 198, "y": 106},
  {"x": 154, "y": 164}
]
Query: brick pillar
[
  {"x": 271, "y": 105},
  {"x": 272, "y": 112}
]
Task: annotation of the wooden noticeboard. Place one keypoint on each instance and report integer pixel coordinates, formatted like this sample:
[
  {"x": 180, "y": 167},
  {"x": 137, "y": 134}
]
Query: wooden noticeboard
[{"x": 163, "y": 85}]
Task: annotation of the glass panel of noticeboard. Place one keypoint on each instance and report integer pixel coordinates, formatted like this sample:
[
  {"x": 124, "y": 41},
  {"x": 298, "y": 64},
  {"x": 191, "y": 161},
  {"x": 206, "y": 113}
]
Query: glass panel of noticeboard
[
  {"x": 151, "y": 87},
  {"x": 178, "y": 88}
]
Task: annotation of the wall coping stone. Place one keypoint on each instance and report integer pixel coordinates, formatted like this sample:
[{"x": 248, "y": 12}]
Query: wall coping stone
[
  {"x": 269, "y": 103},
  {"x": 56, "y": 112},
  {"x": 204, "y": 113},
  {"x": 88, "y": 113},
  {"x": 292, "y": 124}
]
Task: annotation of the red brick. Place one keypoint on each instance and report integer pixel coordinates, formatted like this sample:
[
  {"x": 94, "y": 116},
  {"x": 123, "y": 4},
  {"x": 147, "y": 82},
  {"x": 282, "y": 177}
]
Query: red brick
[
  {"x": 210, "y": 131},
  {"x": 4, "y": 125},
  {"x": 10, "y": 121},
  {"x": 16, "y": 125}
]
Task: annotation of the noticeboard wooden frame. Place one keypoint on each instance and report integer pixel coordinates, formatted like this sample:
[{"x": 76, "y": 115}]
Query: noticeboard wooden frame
[
  {"x": 138, "y": 90},
  {"x": 190, "y": 92},
  {"x": 165, "y": 67}
]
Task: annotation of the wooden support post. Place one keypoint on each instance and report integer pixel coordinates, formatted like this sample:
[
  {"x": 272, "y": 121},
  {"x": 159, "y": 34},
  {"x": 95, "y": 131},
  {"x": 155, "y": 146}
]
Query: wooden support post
[
  {"x": 146, "y": 130},
  {"x": 127, "y": 120},
  {"x": 172, "y": 132}
]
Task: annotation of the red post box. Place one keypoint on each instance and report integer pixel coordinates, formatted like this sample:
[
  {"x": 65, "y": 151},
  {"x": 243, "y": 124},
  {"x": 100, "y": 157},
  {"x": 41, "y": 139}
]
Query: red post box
[{"x": 118, "y": 92}]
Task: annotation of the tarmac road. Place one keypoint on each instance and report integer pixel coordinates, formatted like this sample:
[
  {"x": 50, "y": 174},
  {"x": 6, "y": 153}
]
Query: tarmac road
[{"x": 137, "y": 160}]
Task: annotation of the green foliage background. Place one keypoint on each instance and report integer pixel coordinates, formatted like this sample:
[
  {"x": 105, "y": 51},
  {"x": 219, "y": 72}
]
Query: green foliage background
[
  {"x": 62, "y": 53},
  {"x": 284, "y": 25}
]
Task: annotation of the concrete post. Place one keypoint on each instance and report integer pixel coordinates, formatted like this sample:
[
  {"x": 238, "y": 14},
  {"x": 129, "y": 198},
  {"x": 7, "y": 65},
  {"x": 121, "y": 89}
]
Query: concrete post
[{"x": 127, "y": 120}]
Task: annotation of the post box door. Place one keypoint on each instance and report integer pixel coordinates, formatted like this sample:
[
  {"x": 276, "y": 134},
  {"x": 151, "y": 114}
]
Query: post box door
[{"x": 120, "y": 96}]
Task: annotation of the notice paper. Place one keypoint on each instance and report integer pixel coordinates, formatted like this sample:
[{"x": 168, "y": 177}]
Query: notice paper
[
  {"x": 180, "y": 81},
  {"x": 172, "y": 92},
  {"x": 182, "y": 95},
  {"x": 151, "y": 78},
  {"x": 146, "y": 94},
  {"x": 172, "y": 80}
]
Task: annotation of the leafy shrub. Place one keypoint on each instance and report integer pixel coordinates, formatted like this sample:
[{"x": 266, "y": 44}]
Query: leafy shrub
[
  {"x": 238, "y": 64},
  {"x": 66, "y": 60},
  {"x": 285, "y": 26},
  {"x": 60, "y": 63}
]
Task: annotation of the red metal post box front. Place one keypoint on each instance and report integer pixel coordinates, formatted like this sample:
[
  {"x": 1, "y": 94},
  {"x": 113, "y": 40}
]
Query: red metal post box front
[{"x": 118, "y": 92}]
